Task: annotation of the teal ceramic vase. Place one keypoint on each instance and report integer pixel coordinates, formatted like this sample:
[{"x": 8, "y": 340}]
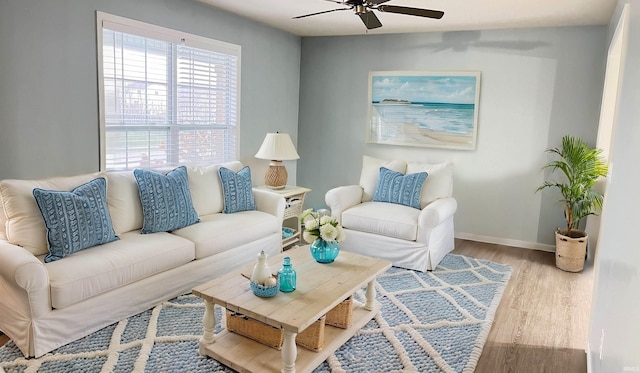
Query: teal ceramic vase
[{"x": 324, "y": 251}]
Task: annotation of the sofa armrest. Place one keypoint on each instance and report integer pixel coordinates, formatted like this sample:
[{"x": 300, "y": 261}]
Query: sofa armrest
[
  {"x": 269, "y": 202},
  {"x": 341, "y": 198},
  {"x": 437, "y": 212},
  {"x": 25, "y": 280}
]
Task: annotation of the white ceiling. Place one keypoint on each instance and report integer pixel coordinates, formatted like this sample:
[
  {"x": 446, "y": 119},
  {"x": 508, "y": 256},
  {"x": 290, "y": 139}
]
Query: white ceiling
[{"x": 458, "y": 15}]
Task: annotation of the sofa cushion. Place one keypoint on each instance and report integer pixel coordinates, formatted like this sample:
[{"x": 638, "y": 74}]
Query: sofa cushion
[
  {"x": 371, "y": 172},
  {"x": 166, "y": 200},
  {"x": 102, "y": 268},
  {"x": 237, "y": 190},
  {"x": 220, "y": 232},
  {"x": 382, "y": 218},
  {"x": 123, "y": 200},
  {"x": 438, "y": 185},
  {"x": 394, "y": 187},
  {"x": 206, "y": 188},
  {"x": 75, "y": 220},
  {"x": 24, "y": 225}
]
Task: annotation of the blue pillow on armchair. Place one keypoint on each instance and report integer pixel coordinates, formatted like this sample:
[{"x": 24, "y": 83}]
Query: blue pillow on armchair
[
  {"x": 75, "y": 220},
  {"x": 166, "y": 200},
  {"x": 395, "y": 187},
  {"x": 237, "y": 190}
]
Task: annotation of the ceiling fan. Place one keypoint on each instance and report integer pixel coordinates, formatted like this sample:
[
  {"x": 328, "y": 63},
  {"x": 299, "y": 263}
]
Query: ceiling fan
[{"x": 364, "y": 9}]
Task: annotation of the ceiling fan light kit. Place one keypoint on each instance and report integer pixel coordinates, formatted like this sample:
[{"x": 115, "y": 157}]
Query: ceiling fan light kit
[{"x": 364, "y": 9}]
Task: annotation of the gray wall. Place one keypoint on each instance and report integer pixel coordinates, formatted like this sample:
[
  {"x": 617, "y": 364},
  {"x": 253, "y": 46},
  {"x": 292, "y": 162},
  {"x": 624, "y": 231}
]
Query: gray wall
[
  {"x": 49, "y": 91},
  {"x": 615, "y": 323},
  {"x": 536, "y": 86}
]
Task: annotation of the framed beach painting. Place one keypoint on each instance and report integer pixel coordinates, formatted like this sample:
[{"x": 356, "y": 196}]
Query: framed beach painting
[{"x": 424, "y": 108}]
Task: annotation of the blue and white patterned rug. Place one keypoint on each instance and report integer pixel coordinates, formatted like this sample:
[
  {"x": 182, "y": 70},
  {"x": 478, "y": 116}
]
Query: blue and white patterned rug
[{"x": 430, "y": 322}]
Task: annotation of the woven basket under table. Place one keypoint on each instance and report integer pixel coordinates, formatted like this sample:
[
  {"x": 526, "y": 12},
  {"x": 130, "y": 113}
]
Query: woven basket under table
[
  {"x": 311, "y": 338},
  {"x": 341, "y": 315}
]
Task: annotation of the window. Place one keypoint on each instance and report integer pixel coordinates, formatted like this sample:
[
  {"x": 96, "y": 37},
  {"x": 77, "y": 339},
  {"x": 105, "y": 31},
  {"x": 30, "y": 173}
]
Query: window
[{"x": 166, "y": 98}]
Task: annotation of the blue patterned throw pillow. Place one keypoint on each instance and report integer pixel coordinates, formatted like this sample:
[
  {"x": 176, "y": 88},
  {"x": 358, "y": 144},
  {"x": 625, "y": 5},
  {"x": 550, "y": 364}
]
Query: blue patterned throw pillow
[
  {"x": 166, "y": 200},
  {"x": 395, "y": 187},
  {"x": 237, "y": 190},
  {"x": 75, "y": 220}
]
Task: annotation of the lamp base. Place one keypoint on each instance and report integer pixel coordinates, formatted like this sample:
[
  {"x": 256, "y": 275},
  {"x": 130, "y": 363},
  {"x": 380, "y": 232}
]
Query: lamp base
[{"x": 276, "y": 176}]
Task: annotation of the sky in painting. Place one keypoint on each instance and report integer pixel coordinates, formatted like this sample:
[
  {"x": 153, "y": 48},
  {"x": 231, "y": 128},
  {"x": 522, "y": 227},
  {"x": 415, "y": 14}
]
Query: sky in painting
[{"x": 416, "y": 88}]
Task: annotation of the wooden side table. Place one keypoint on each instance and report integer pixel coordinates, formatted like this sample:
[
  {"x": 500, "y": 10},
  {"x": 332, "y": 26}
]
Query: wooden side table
[{"x": 294, "y": 198}]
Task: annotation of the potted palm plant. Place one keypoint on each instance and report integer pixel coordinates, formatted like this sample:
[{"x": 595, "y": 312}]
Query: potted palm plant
[{"x": 581, "y": 166}]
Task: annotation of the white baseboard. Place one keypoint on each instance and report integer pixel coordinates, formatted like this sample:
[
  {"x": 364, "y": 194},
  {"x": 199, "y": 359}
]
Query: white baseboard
[
  {"x": 588, "y": 352},
  {"x": 506, "y": 241}
]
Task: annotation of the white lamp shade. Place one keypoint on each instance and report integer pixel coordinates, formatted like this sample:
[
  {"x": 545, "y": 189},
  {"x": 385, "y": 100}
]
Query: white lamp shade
[{"x": 278, "y": 147}]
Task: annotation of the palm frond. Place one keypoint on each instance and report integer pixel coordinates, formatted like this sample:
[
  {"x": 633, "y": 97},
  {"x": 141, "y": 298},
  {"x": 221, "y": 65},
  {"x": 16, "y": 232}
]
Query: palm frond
[{"x": 581, "y": 165}]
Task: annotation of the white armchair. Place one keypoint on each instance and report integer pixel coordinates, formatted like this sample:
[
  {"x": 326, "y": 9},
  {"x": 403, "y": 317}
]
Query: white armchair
[{"x": 408, "y": 237}]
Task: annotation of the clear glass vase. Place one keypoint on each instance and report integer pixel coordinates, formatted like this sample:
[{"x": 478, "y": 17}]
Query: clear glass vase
[
  {"x": 324, "y": 251},
  {"x": 287, "y": 276}
]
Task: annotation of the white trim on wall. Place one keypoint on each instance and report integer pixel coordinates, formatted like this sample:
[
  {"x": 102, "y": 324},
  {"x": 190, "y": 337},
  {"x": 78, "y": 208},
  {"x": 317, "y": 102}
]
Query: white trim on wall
[
  {"x": 588, "y": 352},
  {"x": 506, "y": 242}
]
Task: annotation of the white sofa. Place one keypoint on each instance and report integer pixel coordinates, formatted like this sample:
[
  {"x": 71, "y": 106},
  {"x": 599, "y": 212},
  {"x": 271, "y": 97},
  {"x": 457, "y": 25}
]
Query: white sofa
[
  {"x": 46, "y": 305},
  {"x": 408, "y": 237}
]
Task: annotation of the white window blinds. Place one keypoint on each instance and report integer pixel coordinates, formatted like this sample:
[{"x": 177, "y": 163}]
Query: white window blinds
[{"x": 165, "y": 102}]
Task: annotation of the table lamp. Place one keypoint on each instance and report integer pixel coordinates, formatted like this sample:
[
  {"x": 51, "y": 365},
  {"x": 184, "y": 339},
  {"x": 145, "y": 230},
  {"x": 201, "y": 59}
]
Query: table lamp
[{"x": 277, "y": 147}]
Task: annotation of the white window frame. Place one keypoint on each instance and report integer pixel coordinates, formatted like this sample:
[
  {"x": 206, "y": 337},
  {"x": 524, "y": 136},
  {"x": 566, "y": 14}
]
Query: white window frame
[{"x": 122, "y": 24}]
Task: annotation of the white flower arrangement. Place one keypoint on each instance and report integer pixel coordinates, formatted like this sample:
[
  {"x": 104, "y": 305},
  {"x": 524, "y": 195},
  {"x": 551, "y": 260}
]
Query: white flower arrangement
[{"x": 324, "y": 227}]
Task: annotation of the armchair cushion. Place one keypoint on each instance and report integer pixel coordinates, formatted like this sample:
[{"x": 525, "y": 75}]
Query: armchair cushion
[
  {"x": 394, "y": 187},
  {"x": 386, "y": 219},
  {"x": 438, "y": 185},
  {"x": 371, "y": 172}
]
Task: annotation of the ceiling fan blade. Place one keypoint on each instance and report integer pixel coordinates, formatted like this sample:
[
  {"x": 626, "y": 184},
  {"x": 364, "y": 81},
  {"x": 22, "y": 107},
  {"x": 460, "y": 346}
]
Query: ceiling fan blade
[
  {"x": 336, "y": 1},
  {"x": 411, "y": 11},
  {"x": 370, "y": 20},
  {"x": 374, "y": 2},
  {"x": 326, "y": 11}
]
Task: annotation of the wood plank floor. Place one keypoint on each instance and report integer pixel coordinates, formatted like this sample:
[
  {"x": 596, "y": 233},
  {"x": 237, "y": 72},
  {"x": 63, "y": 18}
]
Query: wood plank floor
[{"x": 542, "y": 321}]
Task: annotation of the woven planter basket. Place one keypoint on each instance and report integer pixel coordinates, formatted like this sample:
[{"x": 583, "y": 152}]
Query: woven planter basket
[{"x": 570, "y": 252}]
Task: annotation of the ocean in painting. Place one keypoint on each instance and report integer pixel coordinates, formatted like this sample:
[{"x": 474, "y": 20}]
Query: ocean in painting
[{"x": 441, "y": 117}]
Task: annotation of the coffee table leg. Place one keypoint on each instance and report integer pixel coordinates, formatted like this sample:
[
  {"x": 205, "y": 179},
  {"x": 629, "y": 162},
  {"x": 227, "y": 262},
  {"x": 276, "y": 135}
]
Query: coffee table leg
[
  {"x": 289, "y": 352},
  {"x": 370, "y": 294},
  {"x": 208, "y": 324}
]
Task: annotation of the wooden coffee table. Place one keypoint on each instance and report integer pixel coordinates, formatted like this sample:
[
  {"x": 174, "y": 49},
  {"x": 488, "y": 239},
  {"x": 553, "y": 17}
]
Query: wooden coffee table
[{"x": 320, "y": 287}]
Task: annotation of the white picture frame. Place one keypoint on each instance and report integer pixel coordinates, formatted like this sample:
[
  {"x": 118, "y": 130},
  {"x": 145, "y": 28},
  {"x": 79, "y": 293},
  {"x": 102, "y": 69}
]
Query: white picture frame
[{"x": 424, "y": 108}]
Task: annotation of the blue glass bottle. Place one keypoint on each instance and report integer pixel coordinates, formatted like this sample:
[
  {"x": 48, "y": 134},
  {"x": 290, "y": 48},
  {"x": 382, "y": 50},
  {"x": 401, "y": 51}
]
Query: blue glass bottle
[{"x": 287, "y": 276}]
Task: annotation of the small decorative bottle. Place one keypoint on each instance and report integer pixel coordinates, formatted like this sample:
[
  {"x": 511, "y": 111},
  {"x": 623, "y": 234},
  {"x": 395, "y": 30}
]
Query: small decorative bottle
[
  {"x": 261, "y": 270},
  {"x": 287, "y": 276}
]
